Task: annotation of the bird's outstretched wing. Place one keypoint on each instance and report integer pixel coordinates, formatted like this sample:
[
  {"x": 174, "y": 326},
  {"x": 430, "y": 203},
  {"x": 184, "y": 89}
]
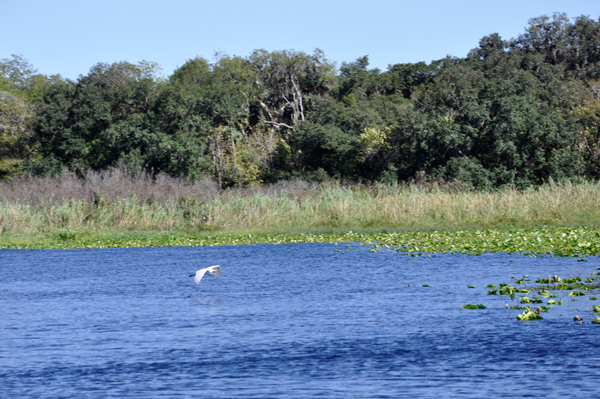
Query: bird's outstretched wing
[{"x": 199, "y": 275}]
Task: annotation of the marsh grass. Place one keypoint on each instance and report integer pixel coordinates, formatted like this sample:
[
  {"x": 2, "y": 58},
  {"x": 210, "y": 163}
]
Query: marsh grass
[{"x": 134, "y": 201}]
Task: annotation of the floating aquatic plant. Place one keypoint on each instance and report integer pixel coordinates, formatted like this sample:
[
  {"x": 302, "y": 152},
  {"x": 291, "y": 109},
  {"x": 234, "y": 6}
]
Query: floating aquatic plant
[
  {"x": 469, "y": 306},
  {"x": 546, "y": 289},
  {"x": 549, "y": 280},
  {"x": 543, "y": 292},
  {"x": 529, "y": 314},
  {"x": 556, "y": 241}
]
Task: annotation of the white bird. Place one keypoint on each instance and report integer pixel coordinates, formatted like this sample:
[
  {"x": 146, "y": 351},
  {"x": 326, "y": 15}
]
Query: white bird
[{"x": 214, "y": 271}]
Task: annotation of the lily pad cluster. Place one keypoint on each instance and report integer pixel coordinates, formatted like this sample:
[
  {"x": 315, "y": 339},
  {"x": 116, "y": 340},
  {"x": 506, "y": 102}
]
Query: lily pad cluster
[
  {"x": 529, "y": 314},
  {"x": 469, "y": 306},
  {"x": 532, "y": 242},
  {"x": 548, "y": 293}
]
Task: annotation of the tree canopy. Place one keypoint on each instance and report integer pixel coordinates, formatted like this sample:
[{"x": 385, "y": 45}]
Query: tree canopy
[{"x": 517, "y": 112}]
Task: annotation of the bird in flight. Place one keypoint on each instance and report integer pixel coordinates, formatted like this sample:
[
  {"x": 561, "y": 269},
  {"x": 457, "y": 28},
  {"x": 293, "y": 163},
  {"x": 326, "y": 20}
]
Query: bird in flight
[{"x": 214, "y": 271}]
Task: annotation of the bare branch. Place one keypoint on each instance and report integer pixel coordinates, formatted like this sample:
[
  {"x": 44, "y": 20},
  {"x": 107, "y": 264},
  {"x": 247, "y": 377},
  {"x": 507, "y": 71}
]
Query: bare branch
[{"x": 276, "y": 124}]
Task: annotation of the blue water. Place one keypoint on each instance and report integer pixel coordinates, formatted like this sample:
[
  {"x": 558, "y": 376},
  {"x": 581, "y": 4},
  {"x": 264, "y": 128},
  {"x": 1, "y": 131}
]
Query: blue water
[{"x": 284, "y": 321}]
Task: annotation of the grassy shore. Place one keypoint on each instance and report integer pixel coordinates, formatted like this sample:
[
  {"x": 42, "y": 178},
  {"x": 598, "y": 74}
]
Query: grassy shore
[{"x": 119, "y": 209}]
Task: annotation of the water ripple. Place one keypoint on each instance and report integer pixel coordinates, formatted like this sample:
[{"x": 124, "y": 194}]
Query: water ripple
[{"x": 284, "y": 321}]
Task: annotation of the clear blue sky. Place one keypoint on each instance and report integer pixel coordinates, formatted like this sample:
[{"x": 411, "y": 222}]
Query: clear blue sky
[{"x": 70, "y": 36}]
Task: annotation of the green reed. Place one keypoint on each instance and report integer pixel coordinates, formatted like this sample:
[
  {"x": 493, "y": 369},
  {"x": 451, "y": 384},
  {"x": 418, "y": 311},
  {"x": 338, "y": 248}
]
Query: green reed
[{"x": 321, "y": 207}]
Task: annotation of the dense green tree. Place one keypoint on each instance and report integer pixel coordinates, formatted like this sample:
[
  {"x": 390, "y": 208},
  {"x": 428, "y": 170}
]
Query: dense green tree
[
  {"x": 356, "y": 81},
  {"x": 584, "y": 54},
  {"x": 520, "y": 111},
  {"x": 16, "y": 73},
  {"x": 287, "y": 82},
  {"x": 406, "y": 79},
  {"x": 490, "y": 123},
  {"x": 20, "y": 85},
  {"x": 15, "y": 133},
  {"x": 102, "y": 119}
]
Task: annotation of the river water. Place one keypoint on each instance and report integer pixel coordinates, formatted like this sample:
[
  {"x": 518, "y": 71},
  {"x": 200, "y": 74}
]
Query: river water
[{"x": 285, "y": 321}]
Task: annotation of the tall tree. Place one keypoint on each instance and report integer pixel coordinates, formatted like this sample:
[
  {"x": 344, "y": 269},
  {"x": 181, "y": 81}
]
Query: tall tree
[{"x": 286, "y": 81}]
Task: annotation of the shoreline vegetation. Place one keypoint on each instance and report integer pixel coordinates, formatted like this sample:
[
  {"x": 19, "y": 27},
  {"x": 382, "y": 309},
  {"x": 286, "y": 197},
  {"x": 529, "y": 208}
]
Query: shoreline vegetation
[
  {"x": 496, "y": 150},
  {"x": 575, "y": 242},
  {"x": 121, "y": 208}
]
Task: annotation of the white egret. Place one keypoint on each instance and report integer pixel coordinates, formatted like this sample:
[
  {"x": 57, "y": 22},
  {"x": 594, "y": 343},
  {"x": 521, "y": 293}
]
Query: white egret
[{"x": 214, "y": 271}]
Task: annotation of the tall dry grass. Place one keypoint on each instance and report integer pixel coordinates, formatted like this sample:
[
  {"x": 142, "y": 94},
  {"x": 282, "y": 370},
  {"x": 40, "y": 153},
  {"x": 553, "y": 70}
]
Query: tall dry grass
[{"x": 125, "y": 200}]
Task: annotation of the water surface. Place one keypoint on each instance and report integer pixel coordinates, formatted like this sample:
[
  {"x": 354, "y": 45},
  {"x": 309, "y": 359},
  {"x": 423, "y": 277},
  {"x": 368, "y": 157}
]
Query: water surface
[{"x": 284, "y": 321}]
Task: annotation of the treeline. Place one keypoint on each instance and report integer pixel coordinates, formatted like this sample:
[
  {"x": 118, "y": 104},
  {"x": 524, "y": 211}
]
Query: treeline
[{"x": 512, "y": 112}]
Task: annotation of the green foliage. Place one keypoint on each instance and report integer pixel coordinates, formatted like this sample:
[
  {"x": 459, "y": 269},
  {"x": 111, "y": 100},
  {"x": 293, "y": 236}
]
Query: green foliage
[
  {"x": 469, "y": 306},
  {"x": 551, "y": 288},
  {"x": 15, "y": 133},
  {"x": 16, "y": 73},
  {"x": 517, "y": 112},
  {"x": 286, "y": 82},
  {"x": 453, "y": 242},
  {"x": 529, "y": 314},
  {"x": 325, "y": 147}
]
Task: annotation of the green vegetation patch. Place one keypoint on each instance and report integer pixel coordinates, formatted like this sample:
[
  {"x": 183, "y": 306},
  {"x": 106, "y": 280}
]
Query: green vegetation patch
[
  {"x": 542, "y": 292},
  {"x": 469, "y": 306},
  {"x": 529, "y": 314},
  {"x": 544, "y": 241},
  {"x": 516, "y": 112}
]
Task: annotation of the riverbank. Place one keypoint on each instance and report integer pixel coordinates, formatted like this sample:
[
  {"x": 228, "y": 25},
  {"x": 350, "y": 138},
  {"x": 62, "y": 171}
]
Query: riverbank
[
  {"x": 118, "y": 202},
  {"x": 116, "y": 209},
  {"x": 558, "y": 241}
]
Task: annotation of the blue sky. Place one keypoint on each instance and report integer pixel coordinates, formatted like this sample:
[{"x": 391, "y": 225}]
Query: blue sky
[{"x": 70, "y": 36}]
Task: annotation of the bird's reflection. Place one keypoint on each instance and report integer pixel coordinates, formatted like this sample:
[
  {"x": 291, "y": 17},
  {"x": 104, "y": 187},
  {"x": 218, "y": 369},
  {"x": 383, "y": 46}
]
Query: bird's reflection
[{"x": 209, "y": 301}]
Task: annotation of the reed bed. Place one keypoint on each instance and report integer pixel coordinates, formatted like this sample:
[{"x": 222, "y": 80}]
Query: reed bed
[{"x": 134, "y": 201}]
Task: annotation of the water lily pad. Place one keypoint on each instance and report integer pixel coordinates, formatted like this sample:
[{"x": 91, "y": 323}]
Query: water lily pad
[{"x": 528, "y": 314}]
